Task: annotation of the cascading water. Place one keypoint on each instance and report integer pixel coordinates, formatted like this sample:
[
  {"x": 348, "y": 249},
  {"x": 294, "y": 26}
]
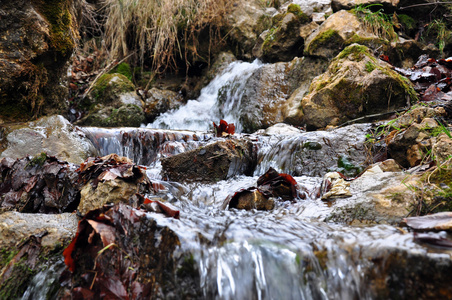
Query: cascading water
[
  {"x": 199, "y": 114},
  {"x": 286, "y": 253}
]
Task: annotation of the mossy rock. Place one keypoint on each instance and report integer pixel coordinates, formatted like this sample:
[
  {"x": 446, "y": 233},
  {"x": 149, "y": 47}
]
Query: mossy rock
[
  {"x": 109, "y": 87},
  {"x": 123, "y": 69},
  {"x": 128, "y": 115},
  {"x": 356, "y": 84}
]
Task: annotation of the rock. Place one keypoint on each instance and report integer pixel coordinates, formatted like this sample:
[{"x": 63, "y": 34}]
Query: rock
[
  {"x": 280, "y": 129},
  {"x": 36, "y": 41},
  {"x": 377, "y": 198},
  {"x": 349, "y": 4},
  {"x": 114, "y": 103},
  {"x": 315, "y": 153},
  {"x": 312, "y": 6},
  {"x": 244, "y": 25},
  {"x": 442, "y": 148},
  {"x": 356, "y": 84},
  {"x": 141, "y": 257},
  {"x": 282, "y": 41},
  {"x": 110, "y": 179},
  {"x": 251, "y": 199},
  {"x": 409, "y": 147},
  {"x": 53, "y": 135},
  {"x": 160, "y": 101},
  {"x": 339, "y": 30},
  {"x": 333, "y": 186},
  {"x": 214, "y": 162},
  {"x": 16, "y": 227},
  {"x": 267, "y": 99},
  {"x": 438, "y": 221}
]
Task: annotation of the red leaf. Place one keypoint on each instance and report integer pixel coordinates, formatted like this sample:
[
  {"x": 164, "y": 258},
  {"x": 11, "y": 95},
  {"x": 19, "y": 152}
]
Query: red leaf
[
  {"x": 223, "y": 128},
  {"x": 167, "y": 209},
  {"x": 106, "y": 232},
  {"x": 67, "y": 253}
]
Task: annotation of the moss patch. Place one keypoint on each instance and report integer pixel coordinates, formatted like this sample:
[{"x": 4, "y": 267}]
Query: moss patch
[
  {"x": 330, "y": 38},
  {"x": 296, "y": 10},
  {"x": 62, "y": 32},
  {"x": 109, "y": 86},
  {"x": 124, "y": 69}
]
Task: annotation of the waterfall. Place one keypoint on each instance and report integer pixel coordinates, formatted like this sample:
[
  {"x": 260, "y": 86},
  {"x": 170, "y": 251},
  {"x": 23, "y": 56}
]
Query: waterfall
[{"x": 200, "y": 113}]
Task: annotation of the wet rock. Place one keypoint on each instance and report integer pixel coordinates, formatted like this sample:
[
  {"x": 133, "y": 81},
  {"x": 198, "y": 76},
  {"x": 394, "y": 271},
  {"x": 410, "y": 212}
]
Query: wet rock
[
  {"x": 216, "y": 161},
  {"x": 356, "y": 84},
  {"x": 139, "y": 258},
  {"x": 314, "y": 6},
  {"x": 267, "y": 97},
  {"x": 338, "y": 31},
  {"x": 251, "y": 199},
  {"x": 271, "y": 186},
  {"x": 40, "y": 184},
  {"x": 36, "y": 40},
  {"x": 280, "y": 129},
  {"x": 317, "y": 152},
  {"x": 114, "y": 103},
  {"x": 438, "y": 221},
  {"x": 282, "y": 42},
  {"x": 349, "y": 4},
  {"x": 53, "y": 135},
  {"x": 160, "y": 101},
  {"x": 110, "y": 179},
  {"x": 16, "y": 227}
]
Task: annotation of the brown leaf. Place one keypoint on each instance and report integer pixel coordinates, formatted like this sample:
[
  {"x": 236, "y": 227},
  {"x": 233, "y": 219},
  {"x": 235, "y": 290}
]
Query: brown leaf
[{"x": 106, "y": 232}]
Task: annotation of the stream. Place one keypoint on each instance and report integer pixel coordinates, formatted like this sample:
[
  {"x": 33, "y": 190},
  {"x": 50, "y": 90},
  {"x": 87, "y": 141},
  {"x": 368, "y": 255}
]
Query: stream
[{"x": 289, "y": 252}]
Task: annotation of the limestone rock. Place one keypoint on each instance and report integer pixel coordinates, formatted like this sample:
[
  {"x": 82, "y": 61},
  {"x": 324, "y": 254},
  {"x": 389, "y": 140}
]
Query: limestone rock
[
  {"x": 216, "y": 161},
  {"x": 356, "y": 84},
  {"x": 53, "y": 135},
  {"x": 36, "y": 40},
  {"x": 339, "y": 30}
]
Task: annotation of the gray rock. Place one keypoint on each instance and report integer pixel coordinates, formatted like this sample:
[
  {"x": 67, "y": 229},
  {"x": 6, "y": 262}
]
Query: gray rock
[{"x": 53, "y": 135}]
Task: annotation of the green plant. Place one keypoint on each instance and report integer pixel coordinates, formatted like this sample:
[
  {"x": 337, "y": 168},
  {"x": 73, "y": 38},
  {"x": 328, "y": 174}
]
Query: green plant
[
  {"x": 438, "y": 29},
  {"x": 378, "y": 22}
]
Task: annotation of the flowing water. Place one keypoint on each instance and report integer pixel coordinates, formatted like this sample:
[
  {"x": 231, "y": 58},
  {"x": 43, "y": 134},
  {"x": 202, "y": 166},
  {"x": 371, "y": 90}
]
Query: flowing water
[{"x": 287, "y": 253}]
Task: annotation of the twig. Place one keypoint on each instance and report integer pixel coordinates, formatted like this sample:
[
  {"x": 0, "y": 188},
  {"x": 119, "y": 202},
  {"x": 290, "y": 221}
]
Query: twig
[
  {"x": 424, "y": 4},
  {"x": 105, "y": 70},
  {"x": 371, "y": 116}
]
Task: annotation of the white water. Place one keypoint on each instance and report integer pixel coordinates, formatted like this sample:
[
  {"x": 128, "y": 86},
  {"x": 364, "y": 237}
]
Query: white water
[{"x": 200, "y": 113}]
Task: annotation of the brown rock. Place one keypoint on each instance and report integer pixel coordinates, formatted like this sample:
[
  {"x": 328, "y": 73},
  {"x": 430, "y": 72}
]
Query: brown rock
[{"x": 213, "y": 162}]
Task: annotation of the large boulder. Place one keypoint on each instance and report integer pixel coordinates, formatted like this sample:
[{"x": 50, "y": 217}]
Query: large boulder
[
  {"x": 339, "y": 30},
  {"x": 356, "y": 84},
  {"x": 267, "y": 96},
  {"x": 53, "y": 135},
  {"x": 214, "y": 162},
  {"x": 36, "y": 40}
]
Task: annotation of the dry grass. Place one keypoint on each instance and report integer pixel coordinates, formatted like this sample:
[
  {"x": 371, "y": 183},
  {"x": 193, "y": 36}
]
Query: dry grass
[{"x": 159, "y": 29}]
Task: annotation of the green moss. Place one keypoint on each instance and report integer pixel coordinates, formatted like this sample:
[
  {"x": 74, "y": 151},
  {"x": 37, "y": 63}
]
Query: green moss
[
  {"x": 62, "y": 33},
  {"x": 357, "y": 51},
  {"x": 38, "y": 160},
  {"x": 296, "y": 10},
  {"x": 109, "y": 86},
  {"x": 370, "y": 66},
  {"x": 407, "y": 22},
  {"x": 6, "y": 255},
  {"x": 124, "y": 69},
  {"x": 312, "y": 146},
  {"x": 329, "y": 37}
]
